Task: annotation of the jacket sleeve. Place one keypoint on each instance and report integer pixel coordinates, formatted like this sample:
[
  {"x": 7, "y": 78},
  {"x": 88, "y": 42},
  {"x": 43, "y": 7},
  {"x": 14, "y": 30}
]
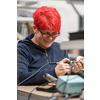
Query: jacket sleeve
[{"x": 23, "y": 61}]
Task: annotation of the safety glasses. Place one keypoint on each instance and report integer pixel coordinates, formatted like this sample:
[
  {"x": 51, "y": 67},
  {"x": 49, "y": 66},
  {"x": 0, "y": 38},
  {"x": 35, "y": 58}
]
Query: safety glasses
[{"x": 46, "y": 35}]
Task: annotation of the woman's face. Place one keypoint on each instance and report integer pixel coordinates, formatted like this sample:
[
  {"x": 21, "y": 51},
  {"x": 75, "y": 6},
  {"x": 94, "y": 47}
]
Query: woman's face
[{"x": 44, "y": 42}]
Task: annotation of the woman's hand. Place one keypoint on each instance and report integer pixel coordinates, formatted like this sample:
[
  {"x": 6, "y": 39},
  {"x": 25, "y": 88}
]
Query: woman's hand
[
  {"x": 78, "y": 66},
  {"x": 63, "y": 67}
]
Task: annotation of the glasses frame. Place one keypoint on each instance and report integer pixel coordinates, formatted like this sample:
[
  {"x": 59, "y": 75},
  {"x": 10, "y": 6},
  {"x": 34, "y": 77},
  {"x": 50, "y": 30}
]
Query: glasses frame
[{"x": 48, "y": 34}]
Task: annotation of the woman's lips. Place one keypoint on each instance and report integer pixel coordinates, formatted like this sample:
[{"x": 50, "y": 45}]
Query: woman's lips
[{"x": 48, "y": 41}]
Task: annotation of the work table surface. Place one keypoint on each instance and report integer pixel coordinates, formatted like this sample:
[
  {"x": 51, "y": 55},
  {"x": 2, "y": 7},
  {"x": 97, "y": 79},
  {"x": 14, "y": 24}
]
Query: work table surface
[{"x": 24, "y": 91}]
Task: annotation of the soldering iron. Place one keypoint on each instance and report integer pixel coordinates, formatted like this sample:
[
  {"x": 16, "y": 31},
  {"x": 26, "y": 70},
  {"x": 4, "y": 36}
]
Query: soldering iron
[{"x": 71, "y": 62}]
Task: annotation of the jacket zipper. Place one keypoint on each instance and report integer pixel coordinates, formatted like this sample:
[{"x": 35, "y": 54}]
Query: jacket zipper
[{"x": 47, "y": 58}]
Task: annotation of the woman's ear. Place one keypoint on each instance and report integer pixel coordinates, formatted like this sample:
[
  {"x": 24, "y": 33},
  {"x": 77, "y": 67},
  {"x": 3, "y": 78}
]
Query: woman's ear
[{"x": 34, "y": 28}]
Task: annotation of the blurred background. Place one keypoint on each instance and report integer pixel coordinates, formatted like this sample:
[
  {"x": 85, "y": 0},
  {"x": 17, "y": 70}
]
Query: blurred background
[{"x": 72, "y": 22}]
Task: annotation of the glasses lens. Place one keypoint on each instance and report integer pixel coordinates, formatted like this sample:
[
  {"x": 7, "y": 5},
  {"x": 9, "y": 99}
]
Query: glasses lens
[
  {"x": 55, "y": 35},
  {"x": 45, "y": 35}
]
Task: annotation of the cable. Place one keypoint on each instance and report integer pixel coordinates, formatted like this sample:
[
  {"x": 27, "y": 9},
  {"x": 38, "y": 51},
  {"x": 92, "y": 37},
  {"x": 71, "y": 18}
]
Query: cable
[
  {"x": 35, "y": 73},
  {"x": 72, "y": 95},
  {"x": 67, "y": 78},
  {"x": 40, "y": 69},
  {"x": 35, "y": 88},
  {"x": 62, "y": 93},
  {"x": 31, "y": 93},
  {"x": 55, "y": 97},
  {"x": 54, "y": 90}
]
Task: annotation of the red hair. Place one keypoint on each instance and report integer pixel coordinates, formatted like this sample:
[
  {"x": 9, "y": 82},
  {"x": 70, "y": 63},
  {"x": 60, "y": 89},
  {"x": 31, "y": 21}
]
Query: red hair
[{"x": 47, "y": 18}]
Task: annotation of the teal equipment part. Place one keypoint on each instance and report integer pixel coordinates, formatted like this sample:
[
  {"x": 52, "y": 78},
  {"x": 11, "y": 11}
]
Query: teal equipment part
[{"x": 75, "y": 84}]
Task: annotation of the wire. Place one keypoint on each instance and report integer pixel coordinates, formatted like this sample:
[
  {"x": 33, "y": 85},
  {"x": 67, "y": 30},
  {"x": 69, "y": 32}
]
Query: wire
[
  {"x": 58, "y": 87},
  {"x": 55, "y": 97},
  {"x": 39, "y": 70},
  {"x": 31, "y": 93},
  {"x": 72, "y": 95},
  {"x": 67, "y": 78},
  {"x": 62, "y": 93},
  {"x": 35, "y": 73},
  {"x": 42, "y": 84},
  {"x": 35, "y": 88}
]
